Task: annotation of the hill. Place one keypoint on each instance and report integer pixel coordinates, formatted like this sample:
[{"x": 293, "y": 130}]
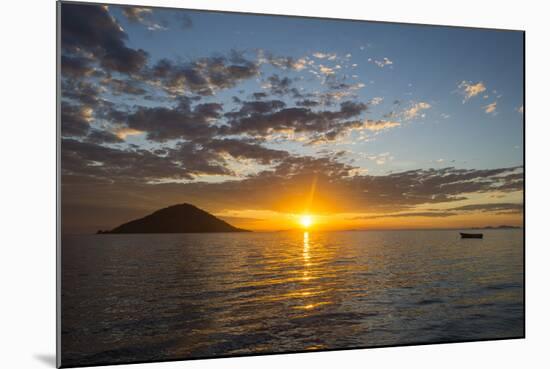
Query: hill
[{"x": 181, "y": 218}]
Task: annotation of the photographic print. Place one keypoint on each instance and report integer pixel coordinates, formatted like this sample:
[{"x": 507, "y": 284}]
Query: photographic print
[{"x": 244, "y": 184}]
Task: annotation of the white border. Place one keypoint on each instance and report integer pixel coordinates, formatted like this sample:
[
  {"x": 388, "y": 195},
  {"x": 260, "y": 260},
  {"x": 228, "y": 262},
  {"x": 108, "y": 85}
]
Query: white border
[{"x": 28, "y": 182}]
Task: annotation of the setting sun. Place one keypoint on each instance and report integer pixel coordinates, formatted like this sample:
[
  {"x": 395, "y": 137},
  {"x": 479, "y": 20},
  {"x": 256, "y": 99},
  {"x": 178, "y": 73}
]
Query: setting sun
[{"x": 306, "y": 221}]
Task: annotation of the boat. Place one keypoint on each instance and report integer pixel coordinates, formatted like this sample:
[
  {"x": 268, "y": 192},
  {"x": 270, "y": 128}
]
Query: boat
[{"x": 471, "y": 235}]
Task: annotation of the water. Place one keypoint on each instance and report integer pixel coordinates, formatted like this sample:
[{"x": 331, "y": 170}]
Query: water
[{"x": 129, "y": 298}]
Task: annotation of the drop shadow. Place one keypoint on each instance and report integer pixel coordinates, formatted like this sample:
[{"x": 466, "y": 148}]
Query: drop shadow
[{"x": 48, "y": 359}]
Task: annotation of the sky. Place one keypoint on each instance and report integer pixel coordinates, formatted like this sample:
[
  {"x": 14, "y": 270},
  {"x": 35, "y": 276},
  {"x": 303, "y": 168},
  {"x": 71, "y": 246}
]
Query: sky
[{"x": 259, "y": 119}]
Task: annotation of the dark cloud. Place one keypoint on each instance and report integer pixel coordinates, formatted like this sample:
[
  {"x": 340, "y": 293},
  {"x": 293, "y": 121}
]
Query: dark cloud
[
  {"x": 424, "y": 214},
  {"x": 90, "y": 29},
  {"x": 123, "y": 86},
  {"x": 282, "y": 86},
  {"x": 240, "y": 149},
  {"x": 117, "y": 165},
  {"x": 102, "y": 136},
  {"x": 81, "y": 92},
  {"x": 199, "y": 159},
  {"x": 434, "y": 185},
  {"x": 321, "y": 124},
  {"x": 75, "y": 120},
  {"x": 76, "y": 66},
  {"x": 203, "y": 76},
  {"x": 259, "y": 95},
  {"x": 163, "y": 124},
  {"x": 185, "y": 160},
  {"x": 256, "y": 107},
  {"x": 307, "y": 103},
  {"x": 136, "y": 14},
  {"x": 498, "y": 207}
]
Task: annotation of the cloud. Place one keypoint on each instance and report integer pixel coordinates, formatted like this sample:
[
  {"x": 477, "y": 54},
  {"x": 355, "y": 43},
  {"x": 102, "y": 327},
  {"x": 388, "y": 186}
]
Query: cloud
[
  {"x": 520, "y": 109},
  {"x": 123, "y": 132},
  {"x": 203, "y": 76},
  {"x": 123, "y": 86},
  {"x": 498, "y": 208},
  {"x": 240, "y": 149},
  {"x": 156, "y": 19},
  {"x": 76, "y": 66},
  {"x": 378, "y": 125},
  {"x": 415, "y": 110},
  {"x": 492, "y": 207},
  {"x": 283, "y": 62},
  {"x": 307, "y": 103},
  {"x": 103, "y": 136},
  {"x": 491, "y": 108},
  {"x": 338, "y": 91},
  {"x": 91, "y": 30},
  {"x": 326, "y": 70},
  {"x": 256, "y": 107},
  {"x": 143, "y": 16},
  {"x": 106, "y": 164},
  {"x": 376, "y": 100},
  {"x": 163, "y": 124},
  {"x": 424, "y": 214},
  {"x": 470, "y": 89},
  {"x": 281, "y": 86},
  {"x": 81, "y": 92},
  {"x": 328, "y": 56},
  {"x": 326, "y": 124},
  {"x": 381, "y": 63},
  {"x": 75, "y": 120}
]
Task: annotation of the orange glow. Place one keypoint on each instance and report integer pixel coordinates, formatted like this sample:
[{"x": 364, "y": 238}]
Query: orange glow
[{"x": 312, "y": 209}]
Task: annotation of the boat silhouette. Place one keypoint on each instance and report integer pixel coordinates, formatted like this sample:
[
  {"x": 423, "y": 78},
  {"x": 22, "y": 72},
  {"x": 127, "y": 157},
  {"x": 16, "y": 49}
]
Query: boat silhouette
[{"x": 471, "y": 235}]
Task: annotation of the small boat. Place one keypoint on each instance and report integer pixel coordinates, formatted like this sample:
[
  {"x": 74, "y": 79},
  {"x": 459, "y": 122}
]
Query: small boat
[{"x": 471, "y": 235}]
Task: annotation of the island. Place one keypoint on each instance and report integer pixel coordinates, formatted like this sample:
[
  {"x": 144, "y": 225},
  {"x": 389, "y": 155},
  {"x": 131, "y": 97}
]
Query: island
[{"x": 181, "y": 218}]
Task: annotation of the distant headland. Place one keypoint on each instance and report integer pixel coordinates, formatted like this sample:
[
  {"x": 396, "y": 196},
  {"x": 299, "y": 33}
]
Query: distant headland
[
  {"x": 498, "y": 227},
  {"x": 181, "y": 218}
]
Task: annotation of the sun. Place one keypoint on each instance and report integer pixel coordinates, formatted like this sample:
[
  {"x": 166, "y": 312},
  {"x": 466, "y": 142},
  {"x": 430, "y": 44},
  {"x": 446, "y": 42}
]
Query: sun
[{"x": 306, "y": 221}]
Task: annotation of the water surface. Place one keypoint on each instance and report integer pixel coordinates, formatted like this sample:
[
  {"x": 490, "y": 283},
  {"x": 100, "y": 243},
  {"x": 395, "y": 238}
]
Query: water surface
[{"x": 129, "y": 298}]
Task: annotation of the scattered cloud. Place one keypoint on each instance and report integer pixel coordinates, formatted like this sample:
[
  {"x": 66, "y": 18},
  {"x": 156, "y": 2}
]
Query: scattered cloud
[
  {"x": 326, "y": 70},
  {"x": 156, "y": 19},
  {"x": 381, "y": 63},
  {"x": 376, "y": 100},
  {"x": 378, "y": 125},
  {"x": 491, "y": 108},
  {"x": 415, "y": 110},
  {"x": 520, "y": 109},
  {"x": 143, "y": 16},
  {"x": 470, "y": 89},
  {"x": 328, "y": 56}
]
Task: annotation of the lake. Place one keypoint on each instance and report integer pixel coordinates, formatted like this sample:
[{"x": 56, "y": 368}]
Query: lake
[{"x": 131, "y": 298}]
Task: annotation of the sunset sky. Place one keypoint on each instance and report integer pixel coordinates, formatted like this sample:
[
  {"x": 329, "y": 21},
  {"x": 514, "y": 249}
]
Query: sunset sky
[{"x": 259, "y": 119}]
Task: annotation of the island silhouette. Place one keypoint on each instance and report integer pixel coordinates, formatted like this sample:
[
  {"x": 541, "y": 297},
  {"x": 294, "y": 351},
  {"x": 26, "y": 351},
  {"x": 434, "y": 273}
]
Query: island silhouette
[{"x": 181, "y": 218}]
